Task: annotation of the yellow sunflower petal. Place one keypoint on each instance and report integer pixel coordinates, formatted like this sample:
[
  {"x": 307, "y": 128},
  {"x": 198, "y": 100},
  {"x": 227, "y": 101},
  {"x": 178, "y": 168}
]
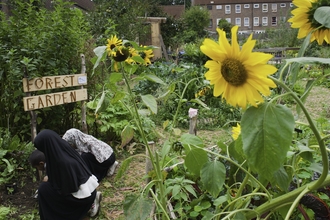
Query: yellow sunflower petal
[
  {"x": 211, "y": 49},
  {"x": 223, "y": 42},
  {"x": 234, "y": 42}
]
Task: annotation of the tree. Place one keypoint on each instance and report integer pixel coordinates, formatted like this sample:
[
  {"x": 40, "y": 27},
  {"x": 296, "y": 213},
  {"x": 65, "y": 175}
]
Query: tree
[
  {"x": 121, "y": 17},
  {"x": 195, "y": 20},
  {"x": 225, "y": 26},
  {"x": 37, "y": 42}
]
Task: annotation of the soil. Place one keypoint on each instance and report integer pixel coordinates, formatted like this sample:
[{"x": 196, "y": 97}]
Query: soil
[{"x": 20, "y": 200}]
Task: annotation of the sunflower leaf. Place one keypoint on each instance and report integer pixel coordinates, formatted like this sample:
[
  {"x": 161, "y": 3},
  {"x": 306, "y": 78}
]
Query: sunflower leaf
[
  {"x": 308, "y": 60},
  {"x": 213, "y": 175},
  {"x": 321, "y": 16},
  {"x": 100, "y": 52},
  {"x": 150, "y": 102},
  {"x": 267, "y": 134}
]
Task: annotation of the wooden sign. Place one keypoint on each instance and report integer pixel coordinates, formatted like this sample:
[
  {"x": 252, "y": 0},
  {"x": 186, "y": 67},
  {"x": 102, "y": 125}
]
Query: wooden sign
[
  {"x": 54, "y": 82},
  {"x": 59, "y": 98}
]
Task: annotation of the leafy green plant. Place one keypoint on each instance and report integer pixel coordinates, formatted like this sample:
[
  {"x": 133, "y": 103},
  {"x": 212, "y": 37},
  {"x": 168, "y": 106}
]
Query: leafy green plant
[{"x": 34, "y": 43}]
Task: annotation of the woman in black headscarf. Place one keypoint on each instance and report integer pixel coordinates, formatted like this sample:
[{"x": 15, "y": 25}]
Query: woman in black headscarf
[{"x": 71, "y": 188}]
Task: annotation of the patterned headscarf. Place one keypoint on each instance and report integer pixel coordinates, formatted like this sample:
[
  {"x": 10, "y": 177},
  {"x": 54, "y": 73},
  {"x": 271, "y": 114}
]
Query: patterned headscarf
[{"x": 88, "y": 144}]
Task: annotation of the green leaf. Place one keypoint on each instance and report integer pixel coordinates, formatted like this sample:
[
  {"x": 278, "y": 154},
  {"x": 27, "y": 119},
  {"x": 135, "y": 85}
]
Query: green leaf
[
  {"x": 137, "y": 208},
  {"x": 321, "y": 15},
  {"x": 305, "y": 152},
  {"x": 126, "y": 135},
  {"x": 189, "y": 141},
  {"x": 166, "y": 148},
  {"x": 100, "y": 52},
  {"x": 235, "y": 150},
  {"x": 175, "y": 190},
  {"x": 150, "y": 102},
  {"x": 154, "y": 78},
  {"x": 100, "y": 102},
  {"x": 190, "y": 189},
  {"x": 267, "y": 132},
  {"x": 195, "y": 160},
  {"x": 115, "y": 77},
  {"x": 198, "y": 208},
  {"x": 205, "y": 204},
  {"x": 4, "y": 211},
  {"x": 138, "y": 59},
  {"x": 10, "y": 167},
  {"x": 198, "y": 101},
  {"x": 117, "y": 97},
  {"x": 213, "y": 175},
  {"x": 316, "y": 167},
  {"x": 282, "y": 179},
  {"x": 219, "y": 201},
  {"x": 123, "y": 167},
  {"x": 309, "y": 60}
]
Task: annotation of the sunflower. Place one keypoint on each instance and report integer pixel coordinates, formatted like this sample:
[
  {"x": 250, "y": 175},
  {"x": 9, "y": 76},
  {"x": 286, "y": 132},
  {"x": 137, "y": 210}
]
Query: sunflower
[
  {"x": 236, "y": 131},
  {"x": 132, "y": 53},
  {"x": 119, "y": 54},
  {"x": 113, "y": 42},
  {"x": 239, "y": 75},
  {"x": 146, "y": 55},
  {"x": 303, "y": 18}
]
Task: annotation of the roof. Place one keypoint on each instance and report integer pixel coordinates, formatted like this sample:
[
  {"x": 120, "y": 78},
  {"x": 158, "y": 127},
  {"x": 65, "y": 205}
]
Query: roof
[
  {"x": 221, "y": 2},
  {"x": 173, "y": 10},
  {"x": 86, "y": 5}
]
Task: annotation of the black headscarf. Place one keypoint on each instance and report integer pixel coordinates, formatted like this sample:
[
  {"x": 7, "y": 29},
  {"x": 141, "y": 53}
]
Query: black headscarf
[{"x": 65, "y": 168}]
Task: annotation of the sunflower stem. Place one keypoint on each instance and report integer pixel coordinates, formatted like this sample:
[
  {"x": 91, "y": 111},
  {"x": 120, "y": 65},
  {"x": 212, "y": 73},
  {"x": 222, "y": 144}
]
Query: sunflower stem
[
  {"x": 153, "y": 158},
  {"x": 180, "y": 101},
  {"x": 318, "y": 137}
]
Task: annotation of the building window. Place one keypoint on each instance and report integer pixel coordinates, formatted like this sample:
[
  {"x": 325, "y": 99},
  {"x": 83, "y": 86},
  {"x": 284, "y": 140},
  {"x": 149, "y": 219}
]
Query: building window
[
  {"x": 282, "y": 5},
  {"x": 238, "y": 8},
  {"x": 227, "y": 9},
  {"x": 209, "y": 7},
  {"x": 218, "y": 20},
  {"x": 283, "y": 19},
  {"x": 246, "y": 21},
  {"x": 246, "y": 5},
  {"x": 238, "y": 22},
  {"x": 211, "y": 23},
  {"x": 264, "y": 21},
  {"x": 228, "y": 19},
  {"x": 255, "y": 5},
  {"x": 218, "y": 6},
  {"x": 256, "y": 21},
  {"x": 274, "y": 21},
  {"x": 274, "y": 7},
  {"x": 291, "y": 5},
  {"x": 264, "y": 7}
]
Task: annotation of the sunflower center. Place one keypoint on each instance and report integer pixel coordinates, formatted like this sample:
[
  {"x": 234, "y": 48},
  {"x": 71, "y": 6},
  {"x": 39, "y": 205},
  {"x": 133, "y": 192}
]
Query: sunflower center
[
  {"x": 142, "y": 54},
  {"x": 112, "y": 46},
  {"x": 234, "y": 72}
]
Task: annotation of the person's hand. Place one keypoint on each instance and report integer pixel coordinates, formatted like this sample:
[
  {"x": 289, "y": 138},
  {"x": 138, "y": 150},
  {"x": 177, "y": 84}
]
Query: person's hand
[{"x": 45, "y": 179}]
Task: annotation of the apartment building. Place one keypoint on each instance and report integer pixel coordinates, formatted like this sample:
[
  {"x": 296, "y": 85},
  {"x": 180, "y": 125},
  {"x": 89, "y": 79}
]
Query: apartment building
[{"x": 250, "y": 15}]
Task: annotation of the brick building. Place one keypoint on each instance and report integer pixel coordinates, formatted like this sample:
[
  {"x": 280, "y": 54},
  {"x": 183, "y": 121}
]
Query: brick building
[{"x": 250, "y": 15}]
